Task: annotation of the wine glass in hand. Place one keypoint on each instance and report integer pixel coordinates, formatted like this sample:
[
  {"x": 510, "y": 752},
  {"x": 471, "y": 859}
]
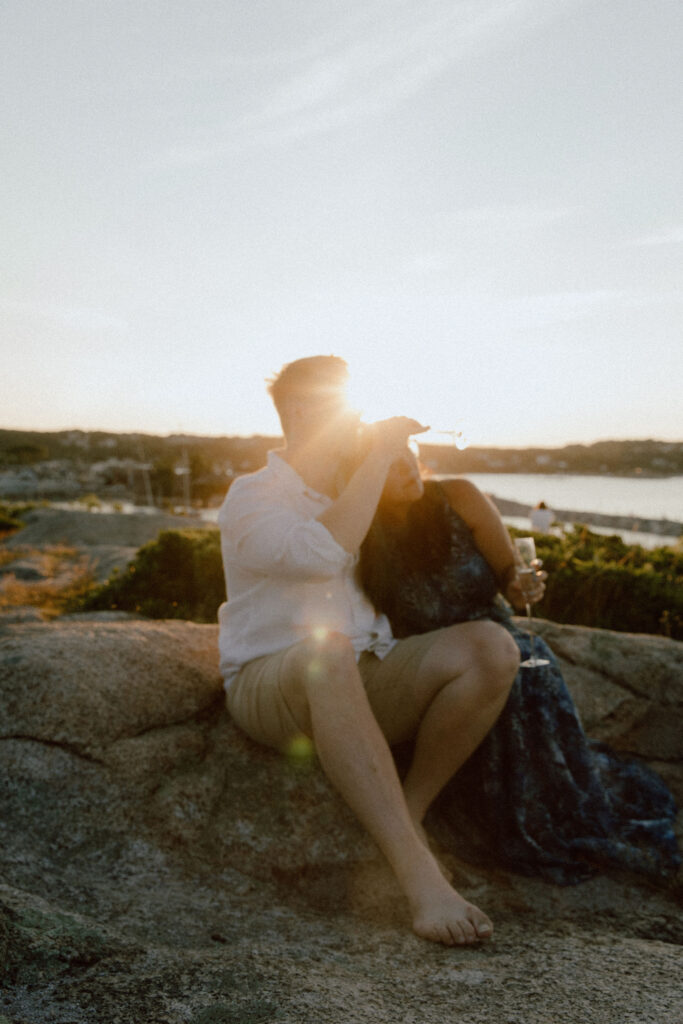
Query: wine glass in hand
[{"x": 527, "y": 566}]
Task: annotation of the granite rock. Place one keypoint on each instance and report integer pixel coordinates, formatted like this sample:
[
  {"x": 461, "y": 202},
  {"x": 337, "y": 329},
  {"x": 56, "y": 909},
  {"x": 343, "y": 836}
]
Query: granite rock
[{"x": 158, "y": 868}]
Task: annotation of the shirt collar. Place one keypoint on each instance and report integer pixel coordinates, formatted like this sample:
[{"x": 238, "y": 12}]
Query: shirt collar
[{"x": 289, "y": 476}]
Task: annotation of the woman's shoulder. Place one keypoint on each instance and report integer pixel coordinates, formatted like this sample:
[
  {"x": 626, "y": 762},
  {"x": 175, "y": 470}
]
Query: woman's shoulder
[
  {"x": 458, "y": 491},
  {"x": 465, "y": 499}
]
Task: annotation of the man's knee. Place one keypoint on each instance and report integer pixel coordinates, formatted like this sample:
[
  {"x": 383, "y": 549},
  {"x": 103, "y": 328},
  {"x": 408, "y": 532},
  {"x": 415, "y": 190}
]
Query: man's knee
[
  {"x": 322, "y": 659},
  {"x": 325, "y": 653}
]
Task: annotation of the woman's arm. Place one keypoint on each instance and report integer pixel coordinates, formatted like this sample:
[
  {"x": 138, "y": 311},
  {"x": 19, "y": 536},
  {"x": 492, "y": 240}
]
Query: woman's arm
[{"x": 491, "y": 537}]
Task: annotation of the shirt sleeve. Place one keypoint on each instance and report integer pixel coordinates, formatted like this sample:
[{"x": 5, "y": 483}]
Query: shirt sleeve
[{"x": 261, "y": 536}]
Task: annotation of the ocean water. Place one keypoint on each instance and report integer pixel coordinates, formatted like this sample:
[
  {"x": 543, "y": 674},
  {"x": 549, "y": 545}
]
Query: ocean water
[
  {"x": 644, "y": 497},
  {"x": 640, "y": 497}
]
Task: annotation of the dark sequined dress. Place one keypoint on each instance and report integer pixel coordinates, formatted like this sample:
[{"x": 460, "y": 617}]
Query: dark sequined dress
[{"x": 544, "y": 799}]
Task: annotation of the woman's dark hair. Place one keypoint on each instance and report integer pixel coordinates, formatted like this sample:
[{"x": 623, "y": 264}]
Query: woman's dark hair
[{"x": 424, "y": 546}]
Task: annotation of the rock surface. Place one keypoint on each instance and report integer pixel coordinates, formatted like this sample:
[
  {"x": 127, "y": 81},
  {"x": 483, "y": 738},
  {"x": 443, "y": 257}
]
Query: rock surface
[
  {"x": 159, "y": 868},
  {"x": 109, "y": 539}
]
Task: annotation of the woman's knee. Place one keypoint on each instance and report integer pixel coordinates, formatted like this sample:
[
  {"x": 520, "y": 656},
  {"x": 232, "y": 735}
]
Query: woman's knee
[
  {"x": 489, "y": 648},
  {"x": 503, "y": 650}
]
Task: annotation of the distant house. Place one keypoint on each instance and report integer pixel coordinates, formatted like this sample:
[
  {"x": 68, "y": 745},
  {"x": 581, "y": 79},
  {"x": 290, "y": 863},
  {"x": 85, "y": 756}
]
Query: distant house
[
  {"x": 39, "y": 482},
  {"x": 18, "y": 483},
  {"x": 76, "y": 439}
]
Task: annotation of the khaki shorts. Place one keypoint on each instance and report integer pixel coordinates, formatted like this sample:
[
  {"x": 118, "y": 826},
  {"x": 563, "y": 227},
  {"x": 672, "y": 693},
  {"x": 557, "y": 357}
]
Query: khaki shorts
[{"x": 257, "y": 704}]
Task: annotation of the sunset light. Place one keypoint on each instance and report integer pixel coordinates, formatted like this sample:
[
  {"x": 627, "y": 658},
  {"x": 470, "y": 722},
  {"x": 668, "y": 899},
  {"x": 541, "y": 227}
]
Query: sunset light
[{"x": 442, "y": 194}]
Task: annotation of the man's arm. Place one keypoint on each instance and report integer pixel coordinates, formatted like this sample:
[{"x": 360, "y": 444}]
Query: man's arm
[
  {"x": 263, "y": 534},
  {"x": 348, "y": 519}
]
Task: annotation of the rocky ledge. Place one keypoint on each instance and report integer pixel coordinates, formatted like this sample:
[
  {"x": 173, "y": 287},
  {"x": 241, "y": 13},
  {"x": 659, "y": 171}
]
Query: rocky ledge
[{"x": 158, "y": 868}]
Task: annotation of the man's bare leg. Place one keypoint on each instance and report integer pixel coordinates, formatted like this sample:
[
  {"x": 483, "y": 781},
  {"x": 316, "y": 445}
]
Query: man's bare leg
[
  {"x": 326, "y": 696},
  {"x": 465, "y": 680}
]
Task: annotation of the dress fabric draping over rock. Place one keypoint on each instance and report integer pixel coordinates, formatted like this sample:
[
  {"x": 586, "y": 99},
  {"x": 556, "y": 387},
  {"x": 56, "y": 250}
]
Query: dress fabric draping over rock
[{"x": 548, "y": 800}]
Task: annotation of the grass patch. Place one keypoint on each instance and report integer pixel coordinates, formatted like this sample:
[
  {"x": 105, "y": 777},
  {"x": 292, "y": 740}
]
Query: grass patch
[
  {"x": 67, "y": 577},
  {"x": 11, "y": 516}
]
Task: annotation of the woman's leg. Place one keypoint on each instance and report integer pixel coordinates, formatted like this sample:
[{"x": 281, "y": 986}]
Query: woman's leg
[{"x": 452, "y": 697}]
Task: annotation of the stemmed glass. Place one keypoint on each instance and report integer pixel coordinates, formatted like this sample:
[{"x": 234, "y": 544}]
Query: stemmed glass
[
  {"x": 455, "y": 436},
  {"x": 527, "y": 564}
]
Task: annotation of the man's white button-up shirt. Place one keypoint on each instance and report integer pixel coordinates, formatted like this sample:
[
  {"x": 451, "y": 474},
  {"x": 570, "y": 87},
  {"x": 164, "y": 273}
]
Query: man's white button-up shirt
[{"x": 286, "y": 576}]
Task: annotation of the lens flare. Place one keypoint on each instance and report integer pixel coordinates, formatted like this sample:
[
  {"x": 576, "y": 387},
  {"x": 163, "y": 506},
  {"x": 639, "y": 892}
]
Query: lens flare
[{"x": 300, "y": 749}]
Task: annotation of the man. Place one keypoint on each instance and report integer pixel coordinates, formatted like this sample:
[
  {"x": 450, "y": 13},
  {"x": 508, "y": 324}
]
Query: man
[{"x": 304, "y": 652}]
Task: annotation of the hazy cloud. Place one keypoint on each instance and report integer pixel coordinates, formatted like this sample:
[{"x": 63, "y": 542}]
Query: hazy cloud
[
  {"x": 78, "y": 318},
  {"x": 669, "y": 236},
  {"x": 512, "y": 216},
  {"x": 369, "y": 66}
]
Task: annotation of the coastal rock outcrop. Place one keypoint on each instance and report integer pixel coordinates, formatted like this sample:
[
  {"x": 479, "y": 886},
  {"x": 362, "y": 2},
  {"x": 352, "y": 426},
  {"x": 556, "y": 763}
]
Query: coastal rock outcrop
[
  {"x": 157, "y": 867},
  {"x": 109, "y": 540}
]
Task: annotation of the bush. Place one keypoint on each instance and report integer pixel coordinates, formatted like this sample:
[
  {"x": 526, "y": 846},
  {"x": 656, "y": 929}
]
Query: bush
[
  {"x": 9, "y": 523},
  {"x": 593, "y": 581},
  {"x": 600, "y": 581},
  {"x": 11, "y": 516},
  {"x": 177, "y": 576}
]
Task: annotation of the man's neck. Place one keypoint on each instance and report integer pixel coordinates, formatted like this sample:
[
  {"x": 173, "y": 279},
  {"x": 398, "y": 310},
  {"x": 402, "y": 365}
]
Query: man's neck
[{"x": 319, "y": 469}]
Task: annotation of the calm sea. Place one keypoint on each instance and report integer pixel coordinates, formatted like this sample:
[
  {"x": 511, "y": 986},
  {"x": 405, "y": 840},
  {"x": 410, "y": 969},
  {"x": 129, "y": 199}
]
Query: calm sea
[
  {"x": 644, "y": 498},
  {"x": 648, "y": 498}
]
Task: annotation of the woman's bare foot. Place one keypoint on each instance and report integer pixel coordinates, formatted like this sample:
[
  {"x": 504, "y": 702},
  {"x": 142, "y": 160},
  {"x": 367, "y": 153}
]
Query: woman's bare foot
[{"x": 440, "y": 914}]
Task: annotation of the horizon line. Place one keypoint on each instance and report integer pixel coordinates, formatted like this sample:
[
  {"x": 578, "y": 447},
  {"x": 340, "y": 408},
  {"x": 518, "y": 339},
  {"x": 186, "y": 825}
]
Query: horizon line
[{"x": 279, "y": 437}]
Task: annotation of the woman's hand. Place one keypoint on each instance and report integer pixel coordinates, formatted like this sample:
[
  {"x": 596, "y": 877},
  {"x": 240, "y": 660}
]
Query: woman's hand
[{"x": 521, "y": 591}]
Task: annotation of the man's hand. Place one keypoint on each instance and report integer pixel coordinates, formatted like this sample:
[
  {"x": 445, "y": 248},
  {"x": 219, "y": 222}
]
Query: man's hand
[
  {"x": 349, "y": 517},
  {"x": 391, "y": 436}
]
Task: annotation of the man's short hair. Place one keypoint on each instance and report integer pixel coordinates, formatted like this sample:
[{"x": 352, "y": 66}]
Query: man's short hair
[{"x": 315, "y": 377}]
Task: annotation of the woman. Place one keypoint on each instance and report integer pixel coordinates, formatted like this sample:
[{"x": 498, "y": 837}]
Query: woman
[{"x": 547, "y": 800}]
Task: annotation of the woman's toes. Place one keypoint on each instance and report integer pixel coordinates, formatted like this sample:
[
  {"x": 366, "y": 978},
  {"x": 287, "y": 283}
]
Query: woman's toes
[
  {"x": 482, "y": 926},
  {"x": 456, "y": 937}
]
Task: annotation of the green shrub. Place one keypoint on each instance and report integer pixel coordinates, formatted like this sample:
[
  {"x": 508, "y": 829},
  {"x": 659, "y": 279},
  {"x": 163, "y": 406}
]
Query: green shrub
[
  {"x": 599, "y": 581},
  {"x": 177, "y": 576},
  {"x": 8, "y": 523},
  {"x": 11, "y": 516},
  {"x": 593, "y": 580}
]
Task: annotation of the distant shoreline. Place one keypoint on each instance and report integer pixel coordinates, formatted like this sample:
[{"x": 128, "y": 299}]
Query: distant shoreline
[{"x": 634, "y": 524}]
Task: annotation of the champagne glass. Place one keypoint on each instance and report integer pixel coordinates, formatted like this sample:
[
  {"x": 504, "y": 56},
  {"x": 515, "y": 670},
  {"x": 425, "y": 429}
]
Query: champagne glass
[
  {"x": 527, "y": 564},
  {"x": 456, "y": 437}
]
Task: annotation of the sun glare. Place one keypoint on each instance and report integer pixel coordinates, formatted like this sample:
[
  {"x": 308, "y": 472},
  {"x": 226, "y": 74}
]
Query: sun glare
[
  {"x": 391, "y": 394},
  {"x": 375, "y": 400}
]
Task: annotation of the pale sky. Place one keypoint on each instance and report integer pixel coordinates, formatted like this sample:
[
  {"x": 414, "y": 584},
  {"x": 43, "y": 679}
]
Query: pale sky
[{"x": 477, "y": 203}]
